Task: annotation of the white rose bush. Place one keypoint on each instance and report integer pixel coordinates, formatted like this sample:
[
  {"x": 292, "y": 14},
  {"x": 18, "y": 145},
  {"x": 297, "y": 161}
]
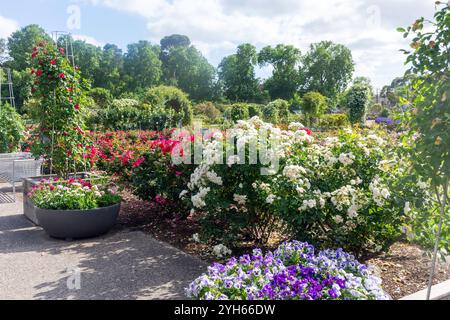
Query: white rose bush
[{"x": 337, "y": 192}]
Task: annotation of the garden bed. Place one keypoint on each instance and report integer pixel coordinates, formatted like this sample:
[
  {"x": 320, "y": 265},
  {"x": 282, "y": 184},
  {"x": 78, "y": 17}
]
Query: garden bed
[{"x": 404, "y": 269}]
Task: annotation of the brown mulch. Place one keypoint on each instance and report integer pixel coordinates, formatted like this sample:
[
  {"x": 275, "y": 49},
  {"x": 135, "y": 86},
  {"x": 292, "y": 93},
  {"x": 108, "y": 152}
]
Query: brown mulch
[{"x": 404, "y": 269}]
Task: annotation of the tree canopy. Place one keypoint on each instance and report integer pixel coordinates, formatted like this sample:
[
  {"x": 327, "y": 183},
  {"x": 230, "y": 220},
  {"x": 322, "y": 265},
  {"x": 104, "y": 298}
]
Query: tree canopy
[
  {"x": 327, "y": 68},
  {"x": 285, "y": 61},
  {"x": 21, "y": 43},
  {"x": 237, "y": 72}
]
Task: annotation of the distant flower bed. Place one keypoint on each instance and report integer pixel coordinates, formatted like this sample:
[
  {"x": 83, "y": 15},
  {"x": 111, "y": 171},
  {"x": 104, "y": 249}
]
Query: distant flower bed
[
  {"x": 387, "y": 121},
  {"x": 74, "y": 194},
  {"x": 292, "y": 272}
]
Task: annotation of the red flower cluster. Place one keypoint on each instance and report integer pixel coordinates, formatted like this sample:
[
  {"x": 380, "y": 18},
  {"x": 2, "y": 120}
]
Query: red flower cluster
[{"x": 307, "y": 131}]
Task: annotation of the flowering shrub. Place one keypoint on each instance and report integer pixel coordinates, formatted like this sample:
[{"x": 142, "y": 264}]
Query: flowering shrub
[
  {"x": 156, "y": 177},
  {"x": 144, "y": 160},
  {"x": 73, "y": 194},
  {"x": 230, "y": 194},
  {"x": 60, "y": 95},
  {"x": 292, "y": 272},
  {"x": 334, "y": 193},
  {"x": 118, "y": 152},
  {"x": 339, "y": 192}
]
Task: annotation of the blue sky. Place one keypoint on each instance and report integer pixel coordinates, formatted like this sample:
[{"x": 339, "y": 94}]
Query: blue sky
[{"x": 216, "y": 27}]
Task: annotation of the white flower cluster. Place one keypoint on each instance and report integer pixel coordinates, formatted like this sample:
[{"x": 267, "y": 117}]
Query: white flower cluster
[
  {"x": 271, "y": 140},
  {"x": 221, "y": 251},
  {"x": 380, "y": 193}
]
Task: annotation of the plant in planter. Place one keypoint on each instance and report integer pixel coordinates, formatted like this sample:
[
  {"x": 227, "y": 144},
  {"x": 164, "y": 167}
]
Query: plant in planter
[
  {"x": 60, "y": 96},
  {"x": 76, "y": 208},
  {"x": 72, "y": 208}
]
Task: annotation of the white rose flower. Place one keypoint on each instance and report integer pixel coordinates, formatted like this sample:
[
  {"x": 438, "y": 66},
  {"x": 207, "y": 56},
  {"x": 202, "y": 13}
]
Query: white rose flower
[
  {"x": 338, "y": 219},
  {"x": 240, "y": 199},
  {"x": 271, "y": 199}
]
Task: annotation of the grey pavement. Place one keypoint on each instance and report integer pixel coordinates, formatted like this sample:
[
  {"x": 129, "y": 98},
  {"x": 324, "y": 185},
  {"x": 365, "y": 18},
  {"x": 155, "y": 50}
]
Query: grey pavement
[{"x": 122, "y": 265}]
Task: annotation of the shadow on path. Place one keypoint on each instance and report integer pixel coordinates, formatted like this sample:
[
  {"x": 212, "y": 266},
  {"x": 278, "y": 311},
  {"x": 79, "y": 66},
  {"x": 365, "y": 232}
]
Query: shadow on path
[{"x": 121, "y": 265}]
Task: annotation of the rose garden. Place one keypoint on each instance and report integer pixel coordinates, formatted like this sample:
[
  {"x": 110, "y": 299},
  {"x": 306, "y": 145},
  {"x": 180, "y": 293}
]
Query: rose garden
[{"x": 283, "y": 205}]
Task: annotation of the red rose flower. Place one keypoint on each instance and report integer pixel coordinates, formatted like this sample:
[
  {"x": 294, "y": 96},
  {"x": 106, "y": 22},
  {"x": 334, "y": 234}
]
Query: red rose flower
[
  {"x": 77, "y": 107},
  {"x": 38, "y": 73},
  {"x": 32, "y": 71},
  {"x": 61, "y": 75},
  {"x": 52, "y": 62},
  {"x": 34, "y": 55}
]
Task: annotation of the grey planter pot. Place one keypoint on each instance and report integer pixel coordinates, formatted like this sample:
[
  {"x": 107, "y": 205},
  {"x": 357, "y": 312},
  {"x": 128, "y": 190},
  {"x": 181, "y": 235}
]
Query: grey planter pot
[
  {"x": 29, "y": 210},
  {"x": 77, "y": 224}
]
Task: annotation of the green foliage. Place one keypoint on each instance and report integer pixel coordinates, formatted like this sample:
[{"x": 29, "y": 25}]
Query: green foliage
[
  {"x": 170, "y": 42},
  {"x": 129, "y": 114},
  {"x": 11, "y": 129},
  {"x": 60, "y": 96},
  {"x": 334, "y": 121},
  {"x": 22, "y": 87},
  {"x": 254, "y": 110},
  {"x": 142, "y": 66},
  {"x": 102, "y": 97},
  {"x": 313, "y": 105},
  {"x": 429, "y": 62},
  {"x": 209, "y": 111},
  {"x": 285, "y": 78},
  {"x": 21, "y": 43},
  {"x": 237, "y": 73},
  {"x": 271, "y": 113},
  {"x": 385, "y": 113},
  {"x": 157, "y": 179},
  {"x": 191, "y": 72},
  {"x": 327, "y": 68},
  {"x": 170, "y": 98},
  {"x": 236, "y": 112},
  {"x": 358, "y": 100}
]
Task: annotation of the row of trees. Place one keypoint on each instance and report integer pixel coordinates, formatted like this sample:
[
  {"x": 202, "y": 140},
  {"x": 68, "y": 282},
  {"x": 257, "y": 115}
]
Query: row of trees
[{"x": 326, "y": 68}]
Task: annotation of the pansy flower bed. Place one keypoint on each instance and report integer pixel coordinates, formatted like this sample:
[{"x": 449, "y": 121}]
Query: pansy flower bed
[{"x": 292, "y": 272}]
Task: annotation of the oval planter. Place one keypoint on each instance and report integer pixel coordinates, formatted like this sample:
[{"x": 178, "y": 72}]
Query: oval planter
[{"x": 77, "y": 224}]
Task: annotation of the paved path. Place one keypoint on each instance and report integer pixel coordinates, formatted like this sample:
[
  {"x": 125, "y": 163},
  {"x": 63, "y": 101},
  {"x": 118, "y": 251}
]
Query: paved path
[{"x": 121, "y": 265}]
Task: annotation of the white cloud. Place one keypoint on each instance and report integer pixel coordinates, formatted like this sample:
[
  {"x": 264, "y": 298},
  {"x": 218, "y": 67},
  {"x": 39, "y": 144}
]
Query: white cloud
[
  {"x": 88, "y": 39},
  {"x": 216, "y": 27},
  {"x": 7, "y": 26}
]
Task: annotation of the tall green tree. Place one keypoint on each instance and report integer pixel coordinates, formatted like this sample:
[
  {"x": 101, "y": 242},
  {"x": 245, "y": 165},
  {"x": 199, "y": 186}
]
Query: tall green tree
[
  {"x": 87, "y": 58},
  {"x": 237, "y": 73},
  {"x": 187, "y": 69},
  {"x": 173, "y": 41},
  {"x": 21, "y": 43},
  {"x": 285, "y": 61},
  {"x": 142, "y": 66},
  {"x": 327, "y": 68},
  {"x": 110, "y": 69}
]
